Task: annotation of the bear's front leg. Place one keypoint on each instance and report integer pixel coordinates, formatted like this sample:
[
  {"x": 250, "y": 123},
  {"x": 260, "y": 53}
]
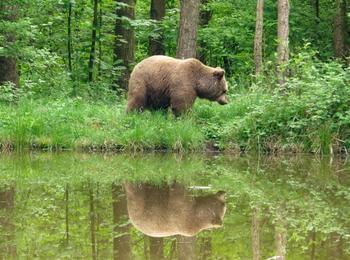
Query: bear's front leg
[
  {"x": 182, "y": 101},
  {"x": 136, "y": 100}
]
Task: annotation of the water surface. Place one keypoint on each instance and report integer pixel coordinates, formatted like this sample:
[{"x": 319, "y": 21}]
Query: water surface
[{"x": 80, "y": 206}]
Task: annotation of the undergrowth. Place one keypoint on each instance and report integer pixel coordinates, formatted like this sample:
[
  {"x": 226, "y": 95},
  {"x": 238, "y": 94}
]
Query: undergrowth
[{"x": 311, "y": 114}]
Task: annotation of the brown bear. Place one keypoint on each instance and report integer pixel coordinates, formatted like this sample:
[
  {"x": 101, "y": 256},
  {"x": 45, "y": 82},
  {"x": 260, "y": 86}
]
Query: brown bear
[
  {"x": 160, "y": 211},
  {"x": 160, "y": 82}
]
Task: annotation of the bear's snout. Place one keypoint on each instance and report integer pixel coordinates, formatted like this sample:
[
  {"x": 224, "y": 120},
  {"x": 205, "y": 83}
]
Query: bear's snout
[{"x": 222, "y": 100}]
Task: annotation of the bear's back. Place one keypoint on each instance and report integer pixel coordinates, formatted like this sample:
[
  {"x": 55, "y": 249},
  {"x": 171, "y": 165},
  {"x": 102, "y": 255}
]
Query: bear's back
[{"x": 167, "y": 211}]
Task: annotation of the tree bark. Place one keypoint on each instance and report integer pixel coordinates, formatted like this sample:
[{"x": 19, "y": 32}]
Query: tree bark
[
  {"x": 186, "y": 247},
  {"x": 69, "y": 42},
  {"x": 204, "y": 19},
  {"x": 92, "y": 223},
  {"x": 121, "y": 235},
  {"x": 125, "y": 41},
  {"x": 255, "y": 234},
  {"x": 66, "y": 199},
  {"x": 100, "y": 39},
  {"x": 8, "y": 249},
  {"x": 283, "y": 41},
  {"x": 340, "y": 30},
  {"x": 187, "y": 39},
  {"x": 206, "y": 248},
  {"x": 317, "y": 10},
  {"x": 93, "y": 42},
  {"x": 258, "y": 36},
  {"x": 8, "y": 64},
  {"x": 156, "y": 246},
  {"x": 281, "y": 237},
  {"x": 156, "y": 44}
]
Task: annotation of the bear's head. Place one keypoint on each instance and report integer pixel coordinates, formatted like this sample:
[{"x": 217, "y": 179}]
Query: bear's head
[
  {"x": 210, "y": 210},
  {"x": 212, "y": 85}
]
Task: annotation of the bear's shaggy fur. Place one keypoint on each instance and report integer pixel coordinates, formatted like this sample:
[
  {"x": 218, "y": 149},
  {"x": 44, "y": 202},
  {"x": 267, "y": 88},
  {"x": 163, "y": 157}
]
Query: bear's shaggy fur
[
  {"x": 160, "y": 211},
  {"x": 161, "y": 82}
]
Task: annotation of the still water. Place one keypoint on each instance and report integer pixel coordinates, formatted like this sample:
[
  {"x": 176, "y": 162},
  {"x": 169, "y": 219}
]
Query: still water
[{"x": 81, "y": 206}]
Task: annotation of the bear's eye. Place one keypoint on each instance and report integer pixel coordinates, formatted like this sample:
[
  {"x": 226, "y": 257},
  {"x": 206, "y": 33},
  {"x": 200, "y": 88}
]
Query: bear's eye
[{"x": 225, "y": 91}]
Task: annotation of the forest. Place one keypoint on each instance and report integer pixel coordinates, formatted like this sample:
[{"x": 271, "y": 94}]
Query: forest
[
  {"x": 65, "y": 65},
  {"x": 265, "y": 176}
]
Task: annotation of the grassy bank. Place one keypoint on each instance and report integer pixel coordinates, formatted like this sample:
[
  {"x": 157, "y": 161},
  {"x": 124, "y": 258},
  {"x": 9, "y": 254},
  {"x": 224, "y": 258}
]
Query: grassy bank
[{"x": 312, "y": 114}]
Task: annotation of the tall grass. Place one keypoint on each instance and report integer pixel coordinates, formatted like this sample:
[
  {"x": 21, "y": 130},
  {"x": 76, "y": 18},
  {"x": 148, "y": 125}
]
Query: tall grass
[
  {"x": 75, "y": 124},
  {"x": 310, "y": 115}
]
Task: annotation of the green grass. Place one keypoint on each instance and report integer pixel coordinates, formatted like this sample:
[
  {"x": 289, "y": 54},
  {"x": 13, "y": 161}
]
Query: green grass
[
  {"x": 74, "y": 124},
  {"x": 311, "y": 114},
  {"x": 250, "y": 122}
]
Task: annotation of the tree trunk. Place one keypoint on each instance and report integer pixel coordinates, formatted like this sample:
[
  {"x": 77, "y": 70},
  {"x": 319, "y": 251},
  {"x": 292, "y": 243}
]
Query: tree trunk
[
  {"x": 313, "y": 244},
  {"x": 100, "y": 39},
  {"x": 66, "y": 199},
  {"x": 125, "y": 41},
  {"x": 8, "y": 249},
  {"x": 340, "y": 30},
  {"x": 8, "y": 67},
  {"x": 255, "y": 234},
  {"x": 189, "y": 18},
  {"x": 258, "y": 36},
  {"x": 281, "y": 238},
  {"x": 93, "y": 42},
  {"x": 317, "y": 10},
  {"x": 206, "y": 248},
  {"x": 156, "y": 44},
  {"x": 92, "y": 223},
  {"x": 204, "y": 19},
  {"x": 186, "y": 247},
  {"x": 121, "y": 235},
  {"x": 156, "y": 245},
  {"x": 69, "y": 42},
  {"x": 283, "y": 41}
]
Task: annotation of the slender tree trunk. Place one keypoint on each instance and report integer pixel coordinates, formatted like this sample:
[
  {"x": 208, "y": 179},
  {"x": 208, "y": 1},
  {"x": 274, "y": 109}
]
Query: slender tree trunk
[
  {"x": 156, "y": 246},
  {"x": 317, "y": 10},
  {"x": 8, "y": 65},
  {"x": 125, "y": 41},
  {"x": 69, "y": 43},
  {"x": 100, "y": 39},
  {"x": 281, "y": 238},
  {"x": 258, "y": 40},
  {"x": 8, "y": 249},
  {"x": 92, "y": 223},
  {"x": 340, "y": 30},
  {"x": 283, "y": 41},
  {"x": 204, "y": 19},
  {"x": 189, "y": 18},
  {"x": 186, "y": 247},
  {"x": 206, "y": 248},
  {"x": 156, "y": 44},
  {"x": 313, "y": 245},
  {"x": 121, "y": 235},
  {"x": 93, "y": 42},
  {"x": 337, "y": 246},
  {"x": 66, "y": 198},
  {"x": 255, "y": 234}
]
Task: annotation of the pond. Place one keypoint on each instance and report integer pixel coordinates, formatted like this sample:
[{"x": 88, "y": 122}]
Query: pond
[{"x": 161, "y": 206}]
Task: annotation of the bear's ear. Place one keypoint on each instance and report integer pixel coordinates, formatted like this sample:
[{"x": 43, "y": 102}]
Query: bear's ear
[
  {"x": 219, "y": 73},
  {"x": 221, "y": 195}
]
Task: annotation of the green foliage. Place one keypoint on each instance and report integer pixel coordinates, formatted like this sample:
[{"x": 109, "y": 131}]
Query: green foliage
[
  {"x": 303, "y": 117},
  {"x": 74, "y": 124},
  {"x": 311, "y": 195},
  {"x": 311, "y": 114}
]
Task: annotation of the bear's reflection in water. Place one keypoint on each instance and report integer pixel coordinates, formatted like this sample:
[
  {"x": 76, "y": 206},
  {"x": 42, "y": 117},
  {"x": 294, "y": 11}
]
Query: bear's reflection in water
[{"x": 160, "y": 211}]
